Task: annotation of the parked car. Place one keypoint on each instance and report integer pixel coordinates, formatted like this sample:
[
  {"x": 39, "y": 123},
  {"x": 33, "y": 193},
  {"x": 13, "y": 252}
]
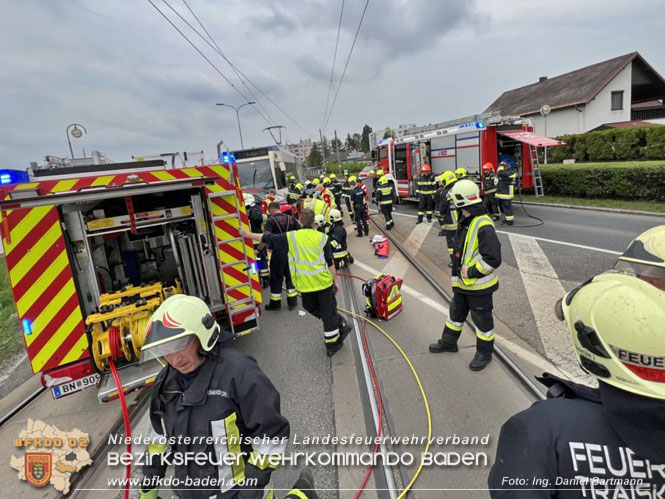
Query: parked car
[{"x": 364, "y": 173}]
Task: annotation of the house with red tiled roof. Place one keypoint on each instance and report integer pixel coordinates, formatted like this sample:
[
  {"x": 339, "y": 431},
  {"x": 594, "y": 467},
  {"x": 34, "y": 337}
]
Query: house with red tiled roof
[{"x": 611, "y": 93}]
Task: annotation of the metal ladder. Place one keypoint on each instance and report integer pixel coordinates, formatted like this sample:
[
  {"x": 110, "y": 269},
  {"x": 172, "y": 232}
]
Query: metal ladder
[
  {"x": 535, "y": 171},
  {"x": 248, "y": 303}
]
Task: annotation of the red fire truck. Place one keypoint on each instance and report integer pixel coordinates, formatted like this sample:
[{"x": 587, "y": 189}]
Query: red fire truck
[
  {"x": 93, "y": 250},
  {"x": 469, "y": 143}
]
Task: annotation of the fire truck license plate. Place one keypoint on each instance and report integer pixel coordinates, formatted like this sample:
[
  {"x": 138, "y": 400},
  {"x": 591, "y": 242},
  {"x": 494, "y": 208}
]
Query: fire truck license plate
[{"x": 74, "y": 386}]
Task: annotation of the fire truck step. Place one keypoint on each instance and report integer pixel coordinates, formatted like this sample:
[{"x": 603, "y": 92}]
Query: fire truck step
[
  {"x": 241, "y": 310},
  {"x": 237, "y": 286}
]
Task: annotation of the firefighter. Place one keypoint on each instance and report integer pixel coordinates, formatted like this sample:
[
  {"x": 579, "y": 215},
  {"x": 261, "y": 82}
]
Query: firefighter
[
  {"x": 375, "y": 179},
  {"x": 318, "y": 206},
  {"x": 338, "y": 240},
  {"x": 438, "y": 200},
  {"x": 256, "y": 220},
  {"x": 346, "y": 194},
  {"x": 461, "y": 173},
  {"x": 280, "y": 223},
  {"x": 309, "y": 189},
  {"x": 449, "y": 213},
  {"x": 313, "y": 271},
  {"x": 425, "y": 189},
  {"x": 208, "y": 391},
  {"x": 359, "y": 203},
  {"x": 336, "y": 189},
  {"x": 506, "y": 191},
  {"x": 490, "y": 181},
  {"x": 327, "y": 194},
  {"x": 645, "y": 257},
  {"x": 292, "y": 181},
  {"x": 385, "y": 197},
  {"x": 295, "y": 193},
  {"x": 476, "y": 256},
  {"x": 583, "y": 441},
  {"x": 323, "y": 225},
  {"x": 272, "y": 196}
]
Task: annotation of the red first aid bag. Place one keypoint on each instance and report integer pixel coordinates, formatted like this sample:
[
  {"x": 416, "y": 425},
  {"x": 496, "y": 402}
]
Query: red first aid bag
[{"x": 383, "y": 296}]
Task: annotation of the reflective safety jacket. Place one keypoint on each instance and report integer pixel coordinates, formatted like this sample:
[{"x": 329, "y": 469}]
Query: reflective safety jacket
[
  {"x": 585, "y": 443},
  {"x": 385, "y": 194},
  {"x": 506, "y": 187},
  {"x": 490, "y": 182},
  {"x": 448, "y": 212},
  {"x": 338, "y": 241},
  {"x": 327, "y": 196},
  {"x": 318, "y": 206},
  {"x": 307, "y": 261},
  {"x": 477, "y": 247},
  {"x": 425, "y": 185},
  {"x": 294, "y": 195},
  {"x": 346, "y": 189},
  {"x": 230, "y": 409}
]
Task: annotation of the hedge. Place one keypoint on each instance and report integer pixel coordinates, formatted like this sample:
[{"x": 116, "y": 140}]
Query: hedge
[
  {"x": 620, "y": 144},
  {"x": 643, "y": 180}
]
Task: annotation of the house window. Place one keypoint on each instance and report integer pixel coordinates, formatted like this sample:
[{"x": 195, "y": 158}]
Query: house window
[{"x": 617, "y": 100}]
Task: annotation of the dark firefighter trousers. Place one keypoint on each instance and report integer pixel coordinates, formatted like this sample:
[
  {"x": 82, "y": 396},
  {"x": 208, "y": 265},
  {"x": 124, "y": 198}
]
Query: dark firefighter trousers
[
  {"x": 323, "y": 305},
  {"x": 480, "y": 307},
  {"x": 361, "y": 219},
  {"x": 347, "y": 200},
  {"x": 491, "y": 204},
  {"x": 425, "y": 207},
  {"x": 507, "y": 208},
  {"x": 387, "y": 212},
  {"x": 279, "y": 271}
]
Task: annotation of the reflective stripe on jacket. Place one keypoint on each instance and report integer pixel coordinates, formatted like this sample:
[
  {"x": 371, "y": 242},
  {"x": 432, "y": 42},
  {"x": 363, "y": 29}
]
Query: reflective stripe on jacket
[
  {"x": 425, "y": 185},
  {"x": 506, "y": 187},
  {"x": 385, "y": 194},
  {"x": 472, "y": 259},
  {"x": 307, "y": 262}
]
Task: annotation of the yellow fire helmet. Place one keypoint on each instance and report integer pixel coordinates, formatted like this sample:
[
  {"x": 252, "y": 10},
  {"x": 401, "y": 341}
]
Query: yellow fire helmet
[
  {"x": 174, "y": 324},
  {"x": 379, "y": 173},
  {"x": 353, "y": 178},
  {"x": 645, "y": 256},
  {"x": 447, "y": 177},
  {"x": 292, "y": 177},
  {"x": 316, "y": 181},
  {"x": 616, "y": 323},
  {"x": 383, "y": 180},
  {"x": 299, "y": 186},
  {"x": 465, "y": 193},
  {"x": 332, "y": 176},
  {"x": 460, "y": 172},
  {"x": 326, "y": 181}
]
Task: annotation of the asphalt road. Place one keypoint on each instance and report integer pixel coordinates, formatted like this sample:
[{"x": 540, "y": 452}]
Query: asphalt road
[{"x": 540, "y": 264}]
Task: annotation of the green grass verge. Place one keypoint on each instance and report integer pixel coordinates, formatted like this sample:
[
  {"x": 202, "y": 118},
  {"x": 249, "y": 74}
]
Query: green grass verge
[
  {"x": 11, "y": 341},
  {"x": 619, "y": 204}
]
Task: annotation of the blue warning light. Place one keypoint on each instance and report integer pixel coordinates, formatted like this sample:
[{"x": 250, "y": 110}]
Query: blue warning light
[{"x": 27, "y": 327}]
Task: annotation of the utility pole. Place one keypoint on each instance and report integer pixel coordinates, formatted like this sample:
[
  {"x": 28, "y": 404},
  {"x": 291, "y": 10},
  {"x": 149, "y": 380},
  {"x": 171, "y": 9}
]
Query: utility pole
[
  {"x": 339, "y": 164},
  {"x": 323, "y": 151}
]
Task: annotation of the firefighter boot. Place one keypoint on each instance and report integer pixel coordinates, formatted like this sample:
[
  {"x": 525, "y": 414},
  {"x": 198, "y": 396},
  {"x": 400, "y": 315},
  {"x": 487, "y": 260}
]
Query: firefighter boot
[
  {"x": 274, "y": 305},
  {"x": 447, "y": 342},
  {"x": 292, "y": 301},
  {"x": 344, "y": 328},
  {"x": 483, "y": 354},
  {"x": 304, "y": 486}
]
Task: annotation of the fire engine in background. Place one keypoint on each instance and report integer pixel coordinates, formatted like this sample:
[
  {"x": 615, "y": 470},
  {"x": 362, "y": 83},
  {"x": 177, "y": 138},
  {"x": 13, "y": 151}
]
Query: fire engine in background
[
  {"x": 469, "y": 143},
  {"x": 265, "y": 168},
  {"x": 92, "y": 250}
]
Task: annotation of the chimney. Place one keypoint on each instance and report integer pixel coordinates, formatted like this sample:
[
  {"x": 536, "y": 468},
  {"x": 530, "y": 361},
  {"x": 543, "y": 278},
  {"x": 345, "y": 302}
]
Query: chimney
[{"x": 542, "y": 79}]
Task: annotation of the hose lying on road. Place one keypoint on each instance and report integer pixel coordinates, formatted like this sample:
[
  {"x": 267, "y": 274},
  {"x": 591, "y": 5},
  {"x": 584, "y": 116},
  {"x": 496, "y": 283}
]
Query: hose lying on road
[{"x": 415, "y": 375}]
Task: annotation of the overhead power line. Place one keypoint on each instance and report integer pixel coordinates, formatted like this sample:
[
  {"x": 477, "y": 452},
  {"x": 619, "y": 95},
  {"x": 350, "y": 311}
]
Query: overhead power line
[
  {"x": 332, "y": 71},
  {"x": 346, "y": 65}
]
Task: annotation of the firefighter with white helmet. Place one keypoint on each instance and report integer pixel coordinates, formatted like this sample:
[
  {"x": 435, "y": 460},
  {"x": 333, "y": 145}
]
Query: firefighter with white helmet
[
  {"x": 338, "y": 243},
  {"x": 645, "y": 257},
  {"x": 322, "y": 224},
  {"x": 604, "y": 442},
  {"x": 211, "y": 392},
  {"x": 476, "y": 257}
]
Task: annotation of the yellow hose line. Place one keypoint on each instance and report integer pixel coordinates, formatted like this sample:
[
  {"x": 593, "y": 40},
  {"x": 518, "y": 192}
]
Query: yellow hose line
[{"x": 420, "y": 385}]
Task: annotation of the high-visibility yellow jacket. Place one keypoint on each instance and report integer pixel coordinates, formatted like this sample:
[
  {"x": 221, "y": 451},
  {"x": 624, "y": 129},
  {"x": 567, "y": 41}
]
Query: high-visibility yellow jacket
[
  {"x": 307, "y": 262},
  {"x": 482, "y": 261}
]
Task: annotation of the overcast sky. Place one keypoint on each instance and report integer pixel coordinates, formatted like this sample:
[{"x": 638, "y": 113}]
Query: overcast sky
[{"x": 118, "y": 68}]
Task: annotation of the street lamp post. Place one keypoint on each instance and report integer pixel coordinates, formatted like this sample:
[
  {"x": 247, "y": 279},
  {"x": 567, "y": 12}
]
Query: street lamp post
[
  {"x": 76, "y": 133},
  {"x": 237, "y": 110}
]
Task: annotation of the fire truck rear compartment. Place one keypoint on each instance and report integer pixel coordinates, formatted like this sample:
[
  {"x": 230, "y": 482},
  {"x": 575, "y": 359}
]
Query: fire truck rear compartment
[{"x": 157, "y": 237}]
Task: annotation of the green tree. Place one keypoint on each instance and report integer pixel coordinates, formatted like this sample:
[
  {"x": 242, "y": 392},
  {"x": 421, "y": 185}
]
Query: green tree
[
  {"x": 349, "y": 144},
  {"x": 336, "y": 143},
  {"x": 364, "y": 141},
  {"x": 314, "y": 158}
]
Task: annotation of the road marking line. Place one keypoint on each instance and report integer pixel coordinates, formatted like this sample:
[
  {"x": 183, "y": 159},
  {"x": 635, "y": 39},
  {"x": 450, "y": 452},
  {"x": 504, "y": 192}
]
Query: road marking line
[
  {"x": 398, "y": 264},
  {"x": 543, "y": 289},
  {"x": 565, "y": 243}
]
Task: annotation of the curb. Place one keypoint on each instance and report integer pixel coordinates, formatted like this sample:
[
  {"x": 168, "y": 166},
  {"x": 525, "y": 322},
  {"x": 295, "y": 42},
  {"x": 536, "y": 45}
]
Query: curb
[{"x": 595, "y": 208}]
